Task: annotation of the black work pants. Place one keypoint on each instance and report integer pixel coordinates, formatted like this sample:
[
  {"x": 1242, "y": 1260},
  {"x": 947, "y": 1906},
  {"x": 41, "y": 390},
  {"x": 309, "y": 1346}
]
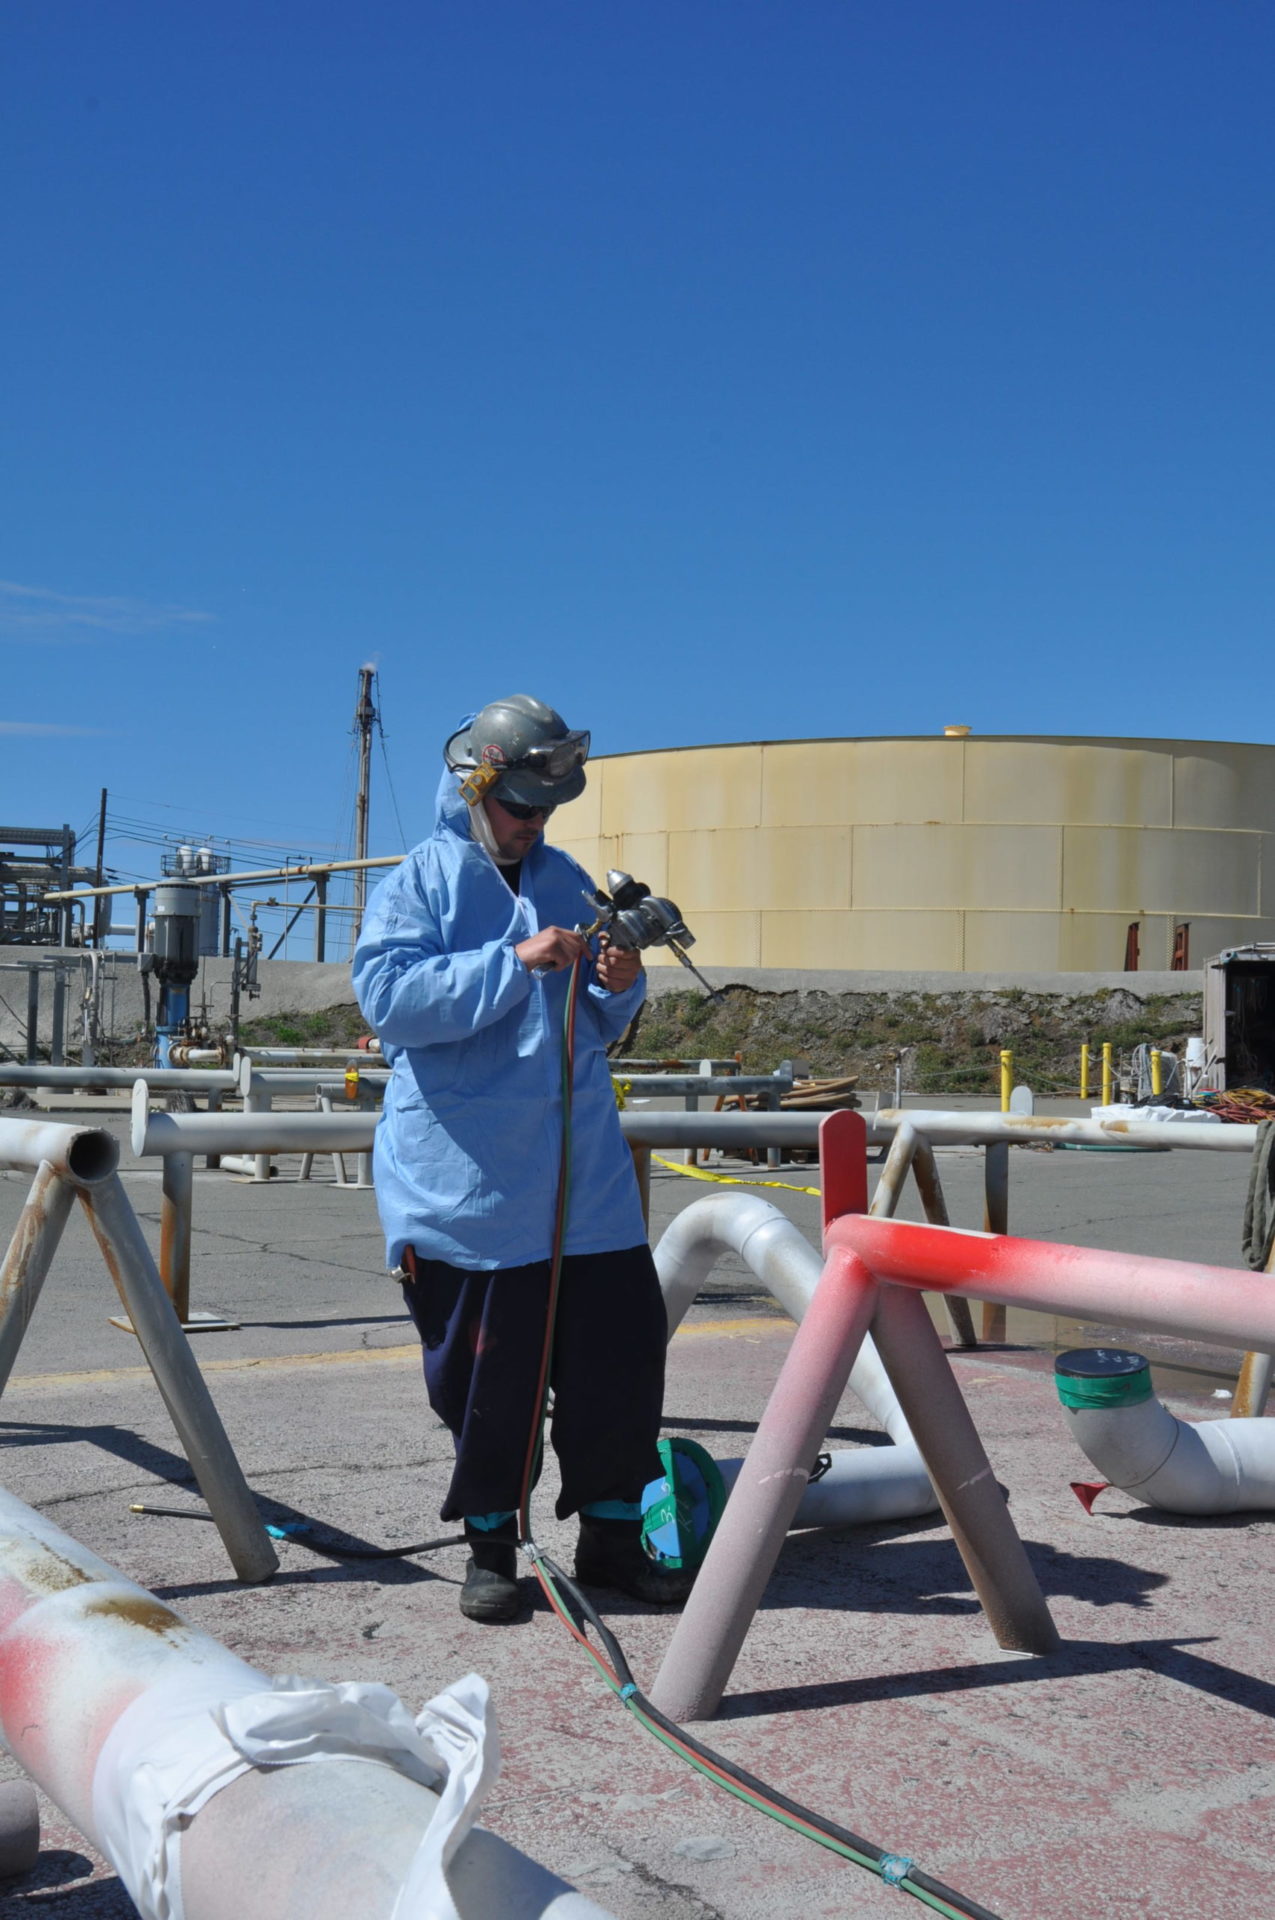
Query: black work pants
[{"x": 483, "y": 1334}]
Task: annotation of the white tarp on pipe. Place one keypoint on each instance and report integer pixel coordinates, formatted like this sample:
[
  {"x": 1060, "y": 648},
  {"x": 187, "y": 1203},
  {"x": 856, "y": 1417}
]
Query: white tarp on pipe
[{"x": 177, "y": 1746}]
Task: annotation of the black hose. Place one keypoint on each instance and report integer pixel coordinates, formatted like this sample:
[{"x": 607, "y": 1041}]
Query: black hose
[{"x": 299, "y": 1530}]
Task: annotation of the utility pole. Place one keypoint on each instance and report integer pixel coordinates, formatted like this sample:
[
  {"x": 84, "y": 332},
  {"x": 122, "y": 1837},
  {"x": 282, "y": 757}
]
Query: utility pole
[
  {"x": 99, "y": 905},
  {"x": 365, "y": 718}
]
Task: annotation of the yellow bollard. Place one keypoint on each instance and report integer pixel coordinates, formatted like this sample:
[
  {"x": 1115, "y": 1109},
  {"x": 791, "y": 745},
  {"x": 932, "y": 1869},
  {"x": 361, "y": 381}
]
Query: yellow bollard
[
  {"x": 1157, "y": 1072},
  {"x": 1007, "y": 1079},
  {"x": 1106, "y": 1073},
  {"x": 1084, "y": 1069}
]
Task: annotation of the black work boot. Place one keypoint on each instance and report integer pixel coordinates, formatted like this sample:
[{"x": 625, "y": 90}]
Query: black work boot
[
  {"x": 609, "y": 1553},
  {"x": 491, "y": 1592}
]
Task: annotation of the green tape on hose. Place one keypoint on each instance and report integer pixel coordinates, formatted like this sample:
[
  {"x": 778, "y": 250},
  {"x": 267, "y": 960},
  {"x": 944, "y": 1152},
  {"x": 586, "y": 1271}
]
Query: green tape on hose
[{"x": 1119, "y": 1390}]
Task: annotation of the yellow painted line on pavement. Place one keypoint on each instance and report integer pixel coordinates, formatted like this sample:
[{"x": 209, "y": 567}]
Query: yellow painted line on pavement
[
  {"x": 347, "y": 1357},
  {"x": 732, "y": 1329},
  {"x": 353, "y": 1356}
]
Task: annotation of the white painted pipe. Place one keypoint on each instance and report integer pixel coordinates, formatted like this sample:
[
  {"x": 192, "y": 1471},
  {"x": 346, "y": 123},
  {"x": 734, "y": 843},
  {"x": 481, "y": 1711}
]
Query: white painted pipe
[
  {"x": 86, "y": 1156},
  {"x": 126, "y": 1716},
  {"x": 867, "y": 1483},
  {"x": 948, "y": 1127},
  {"x": 1179, "y": 1466},
  {"x": 256, "y": 1133},
  {"x": 862, "y": 1485},
  {"x": 163, "y": 1079},
  {"x": 302, "y": 1080}
]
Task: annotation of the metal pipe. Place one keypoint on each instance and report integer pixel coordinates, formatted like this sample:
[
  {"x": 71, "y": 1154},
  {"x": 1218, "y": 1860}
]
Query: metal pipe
[
  {"x": 926, "y": 1174},
  {"x": 263, "y": 1081},
  {"x": 353, "y": 1132},
  {"x": 57, "y": 1042},
  {"x": 177, "y": 1189},
  {"x": 707, "y": 1639},
  {"x": 163, "y": 1079},
  {"x": 257, "y": 1133},
  {"x": 33, "y": 1014},
  {"x": 651, "y": 1127},
  {"x": 781, "y": 1257},
  {"x": 1106, "y": 1073},
  {"x": 237, "y": 879},
  {"x": 710, "y": 1085},
  {"x": 975, "y": 1509},
  {"x": 81, "y": 1647},
  {"x": 1007, "y": 1078},
  {"x": 949, "y": 1128},
  {"x": 86, "y": 1156},
  {"x": 31, "y": 1250},
  {"x": 185, "y": 1394},
  {"x": 1180, "y": 1466},
  {"x": 898, "y": 1162},
  {"x": 1084, "y": 1070},
  {"x": 995, "y": 1220},
  {"x": 1254, "y": 1383},
  {"x": 1224, "y": 1306},
  {"x": 1253, "y": 1386},
  {"x": 299, "y": 1056}
]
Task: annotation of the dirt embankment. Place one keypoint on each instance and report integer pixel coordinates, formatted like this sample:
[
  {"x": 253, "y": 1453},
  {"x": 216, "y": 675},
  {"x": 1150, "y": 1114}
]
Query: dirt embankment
[{"x": 944, "y": 1042}]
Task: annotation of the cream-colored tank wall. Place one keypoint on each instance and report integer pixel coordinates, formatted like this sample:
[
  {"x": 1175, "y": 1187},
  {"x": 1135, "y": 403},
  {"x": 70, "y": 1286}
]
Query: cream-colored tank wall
[{"x": 982, "y": 855}]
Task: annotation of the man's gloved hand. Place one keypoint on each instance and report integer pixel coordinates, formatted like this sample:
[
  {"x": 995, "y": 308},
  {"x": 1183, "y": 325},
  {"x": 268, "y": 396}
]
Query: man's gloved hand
[
  {"x": 616, "y": 968},
  {"x": 552, "y": 949}
]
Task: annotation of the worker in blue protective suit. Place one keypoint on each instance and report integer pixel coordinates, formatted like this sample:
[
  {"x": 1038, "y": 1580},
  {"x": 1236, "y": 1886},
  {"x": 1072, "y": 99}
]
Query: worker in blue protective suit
[{"x": 462, "y": 968}]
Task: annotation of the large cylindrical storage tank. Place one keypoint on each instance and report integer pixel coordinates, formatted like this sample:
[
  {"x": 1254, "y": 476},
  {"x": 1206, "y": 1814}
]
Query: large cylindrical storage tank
[{"x": 1008, "y": 853}]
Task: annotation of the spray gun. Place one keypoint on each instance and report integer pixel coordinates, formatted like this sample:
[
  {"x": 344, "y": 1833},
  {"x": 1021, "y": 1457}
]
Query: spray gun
[{"x": 632, "y": 916}]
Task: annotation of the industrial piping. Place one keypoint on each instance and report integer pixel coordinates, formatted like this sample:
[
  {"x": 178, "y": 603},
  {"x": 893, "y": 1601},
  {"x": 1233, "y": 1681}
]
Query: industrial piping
[
  {"x": 862, "y": 1484},
  {"x": 170, "y": 1754},
  {"x": 1179, "y": 1466}
]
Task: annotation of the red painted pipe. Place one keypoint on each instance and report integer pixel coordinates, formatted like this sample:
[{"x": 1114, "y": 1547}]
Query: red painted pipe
[{"x": 1228, "y": 1306}]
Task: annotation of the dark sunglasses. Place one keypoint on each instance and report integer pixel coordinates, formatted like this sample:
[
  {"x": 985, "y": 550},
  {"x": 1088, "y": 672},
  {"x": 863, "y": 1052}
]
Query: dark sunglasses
[{"x": 519, "y": 812}]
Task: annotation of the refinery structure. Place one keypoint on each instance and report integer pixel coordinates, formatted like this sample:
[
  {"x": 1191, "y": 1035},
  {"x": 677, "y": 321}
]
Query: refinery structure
[{"x": 953, "y": 854}]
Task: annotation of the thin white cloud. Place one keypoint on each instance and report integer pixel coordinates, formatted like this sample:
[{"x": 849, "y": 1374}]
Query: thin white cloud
[
  {"x": 38, "y": 613},
  {"x": 47, "y": 729}
]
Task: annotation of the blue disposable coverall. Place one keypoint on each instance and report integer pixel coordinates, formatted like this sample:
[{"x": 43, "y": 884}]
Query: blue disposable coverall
[{"x": 467, "y": 1155}]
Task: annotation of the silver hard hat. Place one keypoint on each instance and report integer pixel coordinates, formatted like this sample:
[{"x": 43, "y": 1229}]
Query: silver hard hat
[{"x": 540, "y": 759}]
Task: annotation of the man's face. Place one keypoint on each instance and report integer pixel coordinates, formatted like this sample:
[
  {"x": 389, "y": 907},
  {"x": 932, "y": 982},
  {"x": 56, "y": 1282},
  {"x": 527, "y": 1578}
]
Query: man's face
[{"x": 514, "y": 837}]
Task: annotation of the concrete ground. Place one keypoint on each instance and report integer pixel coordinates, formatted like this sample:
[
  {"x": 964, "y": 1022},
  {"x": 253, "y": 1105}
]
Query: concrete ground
[{"x": 1130, "y": 1773}]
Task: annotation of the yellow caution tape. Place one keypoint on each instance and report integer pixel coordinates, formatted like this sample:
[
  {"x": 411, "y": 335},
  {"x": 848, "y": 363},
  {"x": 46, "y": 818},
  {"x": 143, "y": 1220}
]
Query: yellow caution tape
[{"x": 730, "y": 1179}]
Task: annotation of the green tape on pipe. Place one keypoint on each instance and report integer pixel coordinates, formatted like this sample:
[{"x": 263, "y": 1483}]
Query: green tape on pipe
[{"x": 1119, "y": 1390}]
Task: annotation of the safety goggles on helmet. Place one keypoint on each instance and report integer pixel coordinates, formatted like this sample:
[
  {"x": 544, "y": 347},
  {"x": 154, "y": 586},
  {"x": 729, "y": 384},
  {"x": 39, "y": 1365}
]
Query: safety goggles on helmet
[{"x": 557, "y": 758}]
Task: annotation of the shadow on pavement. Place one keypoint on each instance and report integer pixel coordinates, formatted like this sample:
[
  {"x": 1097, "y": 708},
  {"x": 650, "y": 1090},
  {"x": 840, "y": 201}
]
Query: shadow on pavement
[
  {"x": 1169, "y": 1658},
  {"x": 171, "y": 1471}
]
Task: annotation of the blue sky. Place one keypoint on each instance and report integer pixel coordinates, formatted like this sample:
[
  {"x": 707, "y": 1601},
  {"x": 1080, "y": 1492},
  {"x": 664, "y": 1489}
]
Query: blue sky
[{"x": 717, "y": 370}]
